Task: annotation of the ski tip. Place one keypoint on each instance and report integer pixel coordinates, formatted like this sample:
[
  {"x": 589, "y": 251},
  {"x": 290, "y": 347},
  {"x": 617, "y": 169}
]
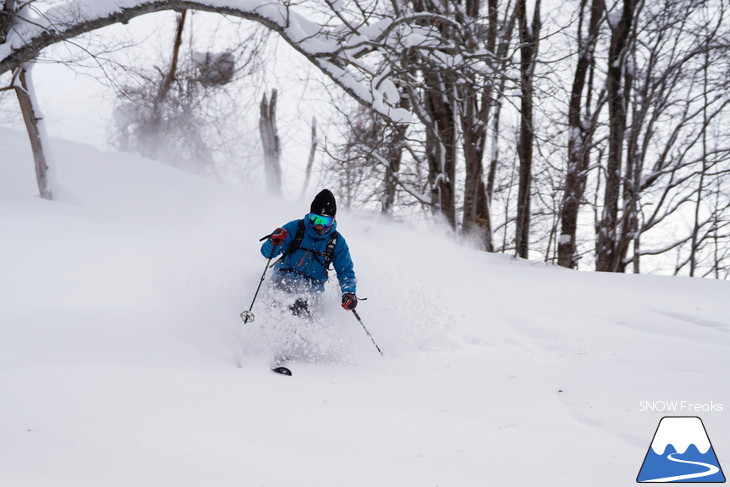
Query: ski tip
[{"x": 281, "y": 370}]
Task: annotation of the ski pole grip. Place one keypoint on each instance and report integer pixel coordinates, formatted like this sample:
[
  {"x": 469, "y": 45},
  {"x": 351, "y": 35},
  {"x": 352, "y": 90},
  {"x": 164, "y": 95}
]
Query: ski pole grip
[{"x": 264, "y": 238}]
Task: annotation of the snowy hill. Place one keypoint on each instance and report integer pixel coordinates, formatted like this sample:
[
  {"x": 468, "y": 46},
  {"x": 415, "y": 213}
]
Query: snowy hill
[{"x": 123, "y": 360}]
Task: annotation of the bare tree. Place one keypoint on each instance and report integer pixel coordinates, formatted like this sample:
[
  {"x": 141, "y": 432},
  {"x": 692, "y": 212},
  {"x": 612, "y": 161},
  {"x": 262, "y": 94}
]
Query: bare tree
[
  {"x": 645, "y": 114},
  {"x": 344, "y": 61},
  {"x": 179, "y": 93},
  {"x": 185, "y": 111},
  {"x": 22, "y": 83},
  {"x": 582, "y": 124},
  {"x": 373, "y": 148},
  {"x": 481, "y": 94},
  {"x": 678, "y": 97},
  {"x": 455, "y": 84}
]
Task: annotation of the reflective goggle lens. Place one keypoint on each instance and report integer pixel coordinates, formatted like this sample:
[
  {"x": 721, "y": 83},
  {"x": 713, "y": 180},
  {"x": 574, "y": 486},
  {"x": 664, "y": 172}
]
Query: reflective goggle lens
[{"x": 325, "y": 221}]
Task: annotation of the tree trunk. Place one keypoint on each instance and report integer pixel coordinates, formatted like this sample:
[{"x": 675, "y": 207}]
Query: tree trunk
[
  {"x": 394, "y": 154},
  {"x": 395, "y": 138},
  {"x": 608, "y": 253},
  {"x": 441, "y": 143},
  {"x": 152, "y": 141},
  {"x": 7, "y": 12},
  {"x": 475, "y": 118},
  {"x": 473, "y": 126},
  {"x": 310, "y": 161},
  {"x": 694, "y": 249},
  {"x": 499, "y": 40},
  {"x": 579, "y": 139},
  {"x": 475, "y": 111},
  {"x": 170, "y": 77},
  {"x": 36, "y": 133},
  {"x": 529, "y": 36},
  {"x": 270, "y": 143},
  {"x": 484, "y": 217}
]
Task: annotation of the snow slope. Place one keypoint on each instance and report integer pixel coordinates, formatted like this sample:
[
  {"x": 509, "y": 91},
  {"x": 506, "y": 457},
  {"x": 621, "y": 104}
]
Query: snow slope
[{"x": 123, "y": 360}]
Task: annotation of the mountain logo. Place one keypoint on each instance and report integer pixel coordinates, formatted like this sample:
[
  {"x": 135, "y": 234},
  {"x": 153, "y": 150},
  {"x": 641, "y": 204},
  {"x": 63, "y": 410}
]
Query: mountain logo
[{"x": 681, "y": 452}]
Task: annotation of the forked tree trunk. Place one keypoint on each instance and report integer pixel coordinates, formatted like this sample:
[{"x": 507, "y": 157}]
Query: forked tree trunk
[{"x": 609, "y": 253}]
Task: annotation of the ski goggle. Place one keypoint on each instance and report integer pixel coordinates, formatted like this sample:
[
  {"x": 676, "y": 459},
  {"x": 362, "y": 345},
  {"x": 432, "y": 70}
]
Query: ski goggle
[{"x": 325, "y": 221}]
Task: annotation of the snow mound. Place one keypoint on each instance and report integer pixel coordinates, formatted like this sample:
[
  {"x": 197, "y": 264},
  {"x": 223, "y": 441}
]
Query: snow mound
[{"x": 123, "y": 360}]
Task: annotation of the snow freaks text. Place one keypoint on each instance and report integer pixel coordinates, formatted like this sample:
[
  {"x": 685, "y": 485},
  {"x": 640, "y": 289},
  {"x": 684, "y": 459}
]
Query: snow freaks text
[{"x": 682, "y": 407}]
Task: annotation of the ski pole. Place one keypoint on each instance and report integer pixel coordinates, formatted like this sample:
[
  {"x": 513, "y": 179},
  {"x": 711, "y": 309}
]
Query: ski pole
[
  {"x": 366, "y": 331},
  {"x": 248, "y": 316}
]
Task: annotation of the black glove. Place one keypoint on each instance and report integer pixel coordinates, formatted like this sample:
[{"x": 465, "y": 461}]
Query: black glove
[
  {"x": 349, "y": 301},
  {"x": 277, "y": 237}
]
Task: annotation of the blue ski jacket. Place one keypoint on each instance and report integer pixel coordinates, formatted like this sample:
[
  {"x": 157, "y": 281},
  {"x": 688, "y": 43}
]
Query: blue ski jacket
[{"x": 306, "y": 265}]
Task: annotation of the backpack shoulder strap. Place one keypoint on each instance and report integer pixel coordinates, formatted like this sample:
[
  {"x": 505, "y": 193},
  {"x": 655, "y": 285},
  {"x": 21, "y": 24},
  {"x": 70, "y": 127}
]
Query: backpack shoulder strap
[
  {"x": 329, "y": 253},
  {"x": 297, "y": 242}
]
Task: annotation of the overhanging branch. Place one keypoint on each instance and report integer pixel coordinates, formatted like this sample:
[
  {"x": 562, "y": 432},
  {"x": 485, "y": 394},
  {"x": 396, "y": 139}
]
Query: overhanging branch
[{"x": 26, "y": 38}]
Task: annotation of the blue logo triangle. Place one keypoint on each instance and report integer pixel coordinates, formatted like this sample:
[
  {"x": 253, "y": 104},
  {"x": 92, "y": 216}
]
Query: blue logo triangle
[{"x": 681, "y": 452}]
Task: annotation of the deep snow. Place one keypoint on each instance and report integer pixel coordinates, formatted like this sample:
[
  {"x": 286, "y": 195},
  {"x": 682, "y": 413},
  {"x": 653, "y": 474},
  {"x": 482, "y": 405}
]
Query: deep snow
[{"x": 123, "y": 360}]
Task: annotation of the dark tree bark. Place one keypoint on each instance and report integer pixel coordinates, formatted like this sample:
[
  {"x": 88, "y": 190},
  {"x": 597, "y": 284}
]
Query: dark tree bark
[
  {"x": 480, "y": 101},
  {"x": 441, "y": 144},
  {"x": 170, "y": 76},
  {"x": 618, "y": 84},
  {"x": 7, "y": 12},
  {"x": 529, "y": 40},
  {"x": 473, "y": 121},
  {"x": 580, "y": 136},
  {"x": 395, "y": 140}
]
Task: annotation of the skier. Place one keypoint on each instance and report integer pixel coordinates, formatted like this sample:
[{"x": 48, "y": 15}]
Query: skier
[{"x": 308, "y": 247}]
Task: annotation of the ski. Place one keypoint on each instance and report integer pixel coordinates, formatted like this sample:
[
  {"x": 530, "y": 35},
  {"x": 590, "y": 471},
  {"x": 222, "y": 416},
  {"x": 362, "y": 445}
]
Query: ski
[{"x": 281, "y": 370}]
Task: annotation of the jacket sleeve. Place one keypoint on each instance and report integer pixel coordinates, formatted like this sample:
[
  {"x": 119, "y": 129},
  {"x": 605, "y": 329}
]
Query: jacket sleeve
[
  {"x": 291, "y": 231},
  {"x": 344, "y": 267}
]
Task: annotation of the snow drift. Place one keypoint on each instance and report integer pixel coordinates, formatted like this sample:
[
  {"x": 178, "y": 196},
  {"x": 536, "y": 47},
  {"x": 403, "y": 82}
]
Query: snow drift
[{"x": 123, "y": 360}]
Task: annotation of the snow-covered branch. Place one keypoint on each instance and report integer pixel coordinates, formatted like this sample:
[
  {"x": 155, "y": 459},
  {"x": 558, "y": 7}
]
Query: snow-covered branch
[
  {"x": 421, "y": 198},
  {"x": 34, "y": 28}
]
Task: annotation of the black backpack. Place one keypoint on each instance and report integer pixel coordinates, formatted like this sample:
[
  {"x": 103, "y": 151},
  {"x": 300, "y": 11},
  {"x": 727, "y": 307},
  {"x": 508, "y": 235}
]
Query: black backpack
[{"x": 328, "y": 254}]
